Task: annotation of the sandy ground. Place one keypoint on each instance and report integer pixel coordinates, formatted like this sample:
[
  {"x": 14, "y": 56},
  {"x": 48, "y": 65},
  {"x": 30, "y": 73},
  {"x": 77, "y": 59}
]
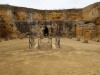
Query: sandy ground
[{"x": 74, "y": 58}]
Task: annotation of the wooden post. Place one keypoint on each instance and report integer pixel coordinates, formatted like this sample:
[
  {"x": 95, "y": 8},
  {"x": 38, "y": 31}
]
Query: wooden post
[
  {"x": 59, "y": 42},
  {"x": 30, "y": 42},
  {"x": 51, "y": 42},
  {"x": 30, "y": 38},
  {"x": 38, "y": 44}
]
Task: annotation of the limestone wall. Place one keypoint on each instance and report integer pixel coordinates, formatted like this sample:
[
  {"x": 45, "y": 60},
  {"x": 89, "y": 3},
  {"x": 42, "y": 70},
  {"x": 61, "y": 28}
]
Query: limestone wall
[
  {"x": 20, "y": 13},
  {"x": 54, "y": 15},
  {"x": 86, "y": 30},
  {"x": 5, "y": 12},
  {"x": 5, "y": 22},
  {"x": 70, "y": 14},
  {"x": 38, "y": 15},
  {"x": 74, "y": 14},
  {"x": 91, "y": 12}
]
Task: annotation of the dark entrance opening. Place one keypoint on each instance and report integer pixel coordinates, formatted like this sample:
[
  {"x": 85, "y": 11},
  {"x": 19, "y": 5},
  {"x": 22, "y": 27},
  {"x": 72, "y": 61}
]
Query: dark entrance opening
[{"x": 46, "y": 31}]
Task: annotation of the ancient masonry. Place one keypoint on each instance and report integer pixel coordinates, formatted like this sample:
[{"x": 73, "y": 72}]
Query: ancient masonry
[{"x": 80, "y": 23}]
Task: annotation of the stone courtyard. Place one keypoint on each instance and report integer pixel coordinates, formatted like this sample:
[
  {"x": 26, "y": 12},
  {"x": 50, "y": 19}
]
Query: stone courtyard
[
  {"x": 73, "y": 58},
  {"x": 50, "y": 42}
]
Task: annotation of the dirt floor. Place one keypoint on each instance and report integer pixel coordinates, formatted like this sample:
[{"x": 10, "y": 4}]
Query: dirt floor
[{"x": 74, "y": 58}]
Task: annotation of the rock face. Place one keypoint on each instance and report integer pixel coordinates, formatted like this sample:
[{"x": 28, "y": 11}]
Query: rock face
[
  {"x": 5, "y": 28},
  {"x": 91, "y": 11},
  {"x": 86, "y": 30},
  {"x": 81, "y": 23},
  {"x": 70, "y": 14}
]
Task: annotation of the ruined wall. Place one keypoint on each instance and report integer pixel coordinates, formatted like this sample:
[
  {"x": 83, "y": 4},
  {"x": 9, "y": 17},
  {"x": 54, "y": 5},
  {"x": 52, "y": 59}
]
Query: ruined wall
[
  {"x": 97, "y": 22},
  {"x": 91, "y": 12},
  {"x": 5, "y": 13},
  {"x": 20, "y": 13},
  {"x": 74, "y": 14},
  {"x": 55, "y": 15},
  {"x": 70, "y": 14},
  {"x": 86, "y": 30},
  {"x": 97, "y": 19},
  {"x": 5, "y": 22},
  {"x": 38, "y": 14}
]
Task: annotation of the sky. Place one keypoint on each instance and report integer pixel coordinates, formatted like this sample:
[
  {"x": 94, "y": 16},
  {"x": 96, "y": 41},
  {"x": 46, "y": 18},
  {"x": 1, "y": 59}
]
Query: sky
[{"x": 50, "y": 4}]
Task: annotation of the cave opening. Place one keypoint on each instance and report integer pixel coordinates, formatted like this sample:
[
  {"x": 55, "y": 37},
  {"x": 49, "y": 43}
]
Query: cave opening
[{"x": 46, "y": 31}]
